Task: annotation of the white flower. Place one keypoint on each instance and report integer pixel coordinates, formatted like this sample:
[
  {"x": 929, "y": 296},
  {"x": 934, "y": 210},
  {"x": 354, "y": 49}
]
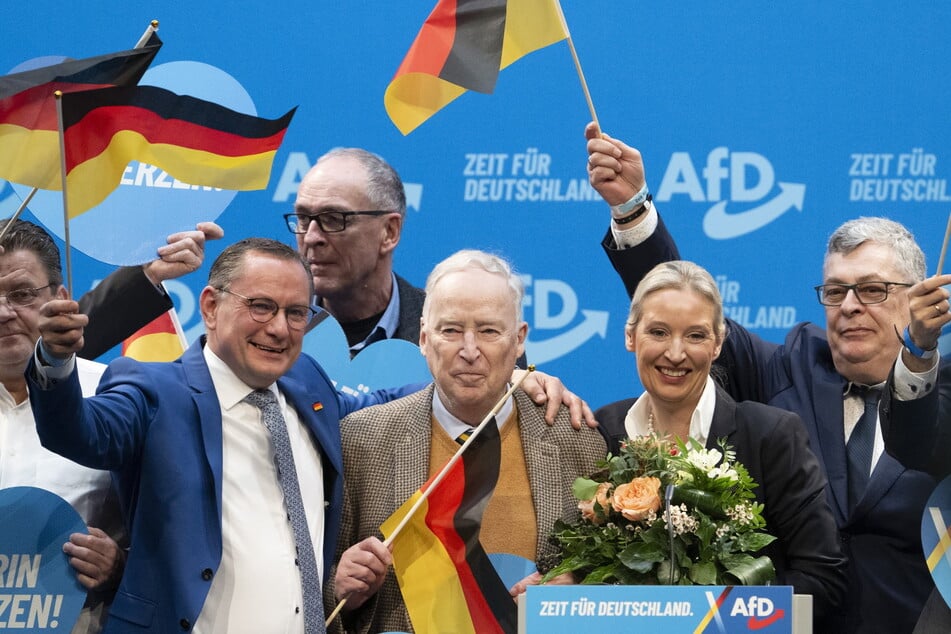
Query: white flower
[{"x": 704, "y": 459}]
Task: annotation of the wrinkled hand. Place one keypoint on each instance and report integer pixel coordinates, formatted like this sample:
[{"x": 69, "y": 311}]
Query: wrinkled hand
[
  {"x": 61, "y": 327},
  {"x": 183, "y": 254},
  {"x": 615, "y": 170},
  {"x": 98, "y": 560},
  {"x": 361, "y": 571},
  {"x": 566, "y": 579},
  {"x": 545, "y": 389},
  {"x": 929, "y": 308}
]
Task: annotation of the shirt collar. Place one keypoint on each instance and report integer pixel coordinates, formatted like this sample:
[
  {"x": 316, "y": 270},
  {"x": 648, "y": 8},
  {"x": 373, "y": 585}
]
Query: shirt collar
[
  {"x": 454, "y": 426},
  {"x": 635, "y": 423},
  {"x": 386, "y": 327},
  {"x": 230, "y": 389}
]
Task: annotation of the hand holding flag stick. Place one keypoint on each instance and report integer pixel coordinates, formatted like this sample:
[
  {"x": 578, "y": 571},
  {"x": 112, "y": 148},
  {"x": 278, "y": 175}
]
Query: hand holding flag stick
[{"x": 446, "y": 469}]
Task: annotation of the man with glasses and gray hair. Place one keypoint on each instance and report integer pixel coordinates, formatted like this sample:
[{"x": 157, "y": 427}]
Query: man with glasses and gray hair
[
  {"x": 347, "y": 218},
  {"x": 870, "y": 388}
]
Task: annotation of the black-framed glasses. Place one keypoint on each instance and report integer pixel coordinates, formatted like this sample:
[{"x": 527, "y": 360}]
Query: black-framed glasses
[
  {"x": 23, "y": 296},
  {"x": 263, "y": 310},
  {"x": 865, "y": 292},
  {"x": 328, "y": 221}
]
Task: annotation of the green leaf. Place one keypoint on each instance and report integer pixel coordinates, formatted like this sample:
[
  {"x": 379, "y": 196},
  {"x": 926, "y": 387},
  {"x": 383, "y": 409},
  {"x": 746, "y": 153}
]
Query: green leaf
[
  {"x": 701, "y": 500},
  {"x": 704, "y": 574},
  {"x": 753, "y": 542},
  {"x": 756, "y": 572},
  {"x": 584, "y": 489},
  {"x": 641, "y": 557}
]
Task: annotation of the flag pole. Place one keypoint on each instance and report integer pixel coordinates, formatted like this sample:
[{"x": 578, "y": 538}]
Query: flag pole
[
  {"x": 150, "y": 29},
  {"x": 58, "y": 96},
  {"x": 574, "y": 56},
  {"x": 944, "y": 247},
  {"x": 26, "y": 201},
  {"x": 440, "y": 476}
]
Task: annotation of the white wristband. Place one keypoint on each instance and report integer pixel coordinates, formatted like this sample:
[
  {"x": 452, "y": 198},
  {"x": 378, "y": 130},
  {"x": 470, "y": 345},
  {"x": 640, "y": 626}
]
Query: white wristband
[{"x": 619, "y": 211}]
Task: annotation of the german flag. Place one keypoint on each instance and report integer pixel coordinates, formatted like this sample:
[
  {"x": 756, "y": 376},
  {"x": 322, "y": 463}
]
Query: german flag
[
  {"x": 28, "y": 130},
  {"x": 161, "y": 339},
  {"x": 462, "y": 46},
  {"x": 195, "y": 141},
  {"x": 447, "y": 580}
]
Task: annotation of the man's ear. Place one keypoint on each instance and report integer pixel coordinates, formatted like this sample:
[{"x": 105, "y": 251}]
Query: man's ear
[
  {"x": 208, "y": 305},
  {"x": 392, "y": 228}
]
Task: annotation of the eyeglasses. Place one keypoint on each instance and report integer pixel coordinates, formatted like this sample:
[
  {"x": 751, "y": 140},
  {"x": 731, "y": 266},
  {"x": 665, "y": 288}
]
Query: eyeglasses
[
  {"x": 23, "y": 296},
  {"x": 263, "y": 310},
  {"x": 865, "y": 292},
  {"x": 328, "y": 221}
]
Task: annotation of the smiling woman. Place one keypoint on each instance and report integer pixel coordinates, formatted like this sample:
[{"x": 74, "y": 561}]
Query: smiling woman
[{"x": 676, "y": 329}]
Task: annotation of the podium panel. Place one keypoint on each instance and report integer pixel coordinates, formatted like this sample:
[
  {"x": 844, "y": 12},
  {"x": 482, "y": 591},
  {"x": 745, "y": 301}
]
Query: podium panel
[{"x": 664, "y": 609}]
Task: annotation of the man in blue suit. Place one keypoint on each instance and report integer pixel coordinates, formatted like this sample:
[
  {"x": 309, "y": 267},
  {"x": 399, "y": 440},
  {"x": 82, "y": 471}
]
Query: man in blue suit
[
  {"x": 213, "y": 544},
  {"x": 873, "y": 287}
]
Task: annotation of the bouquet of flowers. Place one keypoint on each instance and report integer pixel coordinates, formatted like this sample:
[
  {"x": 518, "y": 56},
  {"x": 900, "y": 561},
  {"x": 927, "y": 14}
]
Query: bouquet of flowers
[{"x": 707, "y": 532}]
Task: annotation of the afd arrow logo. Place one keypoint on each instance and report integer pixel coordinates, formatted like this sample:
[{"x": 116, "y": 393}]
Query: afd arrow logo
[
  {"x": 721, "y": 225},
  {"x": 595, "y": 323}
]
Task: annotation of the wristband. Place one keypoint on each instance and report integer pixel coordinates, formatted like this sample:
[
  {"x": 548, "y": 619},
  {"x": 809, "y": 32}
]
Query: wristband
[
  {"x": 915, "y": 350},
  {"x": 637, "y": 214},
  {"x": 619, "y": 211}
]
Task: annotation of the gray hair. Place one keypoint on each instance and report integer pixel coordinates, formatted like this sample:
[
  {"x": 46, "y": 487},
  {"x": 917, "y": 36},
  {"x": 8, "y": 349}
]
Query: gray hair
[
  {"x": 384, "y": 187},
  {"x": 909, "y": 257},
  {"x": 469, "y": 260},
  {"x": 227, "y": 266},
  {"x": 681, "y": 275}
]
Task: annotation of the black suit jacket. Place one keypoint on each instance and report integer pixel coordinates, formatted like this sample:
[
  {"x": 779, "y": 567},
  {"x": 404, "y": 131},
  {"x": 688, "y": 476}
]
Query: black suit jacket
[
  {"x": 772, "y": 444},
  {"x": 118, "y": 306}
]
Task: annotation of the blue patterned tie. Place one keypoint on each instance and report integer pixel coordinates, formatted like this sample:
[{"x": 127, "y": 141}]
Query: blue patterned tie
[
  {"x": 861, "y": 442},
  {"x": 287, "y": 476}
]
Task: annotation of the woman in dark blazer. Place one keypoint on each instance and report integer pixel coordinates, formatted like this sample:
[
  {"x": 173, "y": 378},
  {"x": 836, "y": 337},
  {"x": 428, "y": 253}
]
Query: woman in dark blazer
[{"x": 676, "y": 329}]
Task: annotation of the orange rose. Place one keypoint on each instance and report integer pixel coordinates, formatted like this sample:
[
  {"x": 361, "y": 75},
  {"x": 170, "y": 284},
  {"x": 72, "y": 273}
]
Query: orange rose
[
  {"x": 602, "y": 497},
  {"x": 637, "y": 499}
]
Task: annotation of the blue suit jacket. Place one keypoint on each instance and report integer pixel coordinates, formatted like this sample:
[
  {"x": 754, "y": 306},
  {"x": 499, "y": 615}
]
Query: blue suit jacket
[
  {"x": 157, "y": 426},
  {"x": 888, "y": 579}
]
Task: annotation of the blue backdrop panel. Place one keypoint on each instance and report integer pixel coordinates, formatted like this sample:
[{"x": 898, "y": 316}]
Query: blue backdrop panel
[{"x": 763, "y": 126}]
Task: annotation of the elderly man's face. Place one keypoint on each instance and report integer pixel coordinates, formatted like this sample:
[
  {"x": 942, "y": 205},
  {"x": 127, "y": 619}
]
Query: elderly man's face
[
  {"x": 342, "y": 262},
  {"x": 258, "y": 353},
  {"x": 862, "y": 336},
  {"x": 21, "y": 269},
  {"x": 471, "y": 338}
]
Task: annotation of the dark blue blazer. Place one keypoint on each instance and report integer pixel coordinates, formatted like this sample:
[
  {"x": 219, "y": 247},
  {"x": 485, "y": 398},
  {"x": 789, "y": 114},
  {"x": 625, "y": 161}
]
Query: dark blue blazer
[
  {"x": 157, "y": 427},
  {"x": 888, "y": 579}
]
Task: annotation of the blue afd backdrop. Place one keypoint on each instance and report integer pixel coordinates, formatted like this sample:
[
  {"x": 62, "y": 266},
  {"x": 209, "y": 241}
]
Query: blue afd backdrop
[{"x": 763, "y": 126}]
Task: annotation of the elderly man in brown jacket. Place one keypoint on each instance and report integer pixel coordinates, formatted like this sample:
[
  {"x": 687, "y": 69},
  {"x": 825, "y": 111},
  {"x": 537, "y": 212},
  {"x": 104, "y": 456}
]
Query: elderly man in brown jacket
[{"x": 471, "y": 335}]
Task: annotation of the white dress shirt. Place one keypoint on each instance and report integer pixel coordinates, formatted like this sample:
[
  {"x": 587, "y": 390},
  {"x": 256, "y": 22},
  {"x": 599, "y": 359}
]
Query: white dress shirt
[{"x": 257, "y": 587}]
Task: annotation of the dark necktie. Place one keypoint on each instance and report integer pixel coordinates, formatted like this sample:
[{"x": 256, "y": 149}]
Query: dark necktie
[
  {"x": 859, "y": 448},
  {"x": 287, "y": 476},
  {"x": 464, "y": 436}
]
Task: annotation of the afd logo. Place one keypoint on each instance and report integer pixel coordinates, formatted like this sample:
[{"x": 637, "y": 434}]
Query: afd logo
[
  {"x": 298, "y": 164},
  {"x": 759, "y": 611},
  {"x": 731, "y": 177},
  {"x": 553, "y": 305}
]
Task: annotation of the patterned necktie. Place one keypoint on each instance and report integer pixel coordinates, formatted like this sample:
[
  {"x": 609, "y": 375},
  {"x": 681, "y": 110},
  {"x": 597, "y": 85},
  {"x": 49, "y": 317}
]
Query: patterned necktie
[
  {"x": 859, "y": 448},
  {"x": 287, "y": 476}
]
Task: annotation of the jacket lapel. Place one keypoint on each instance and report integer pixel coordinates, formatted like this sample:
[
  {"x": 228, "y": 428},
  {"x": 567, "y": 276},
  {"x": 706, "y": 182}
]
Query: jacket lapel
[
  {"x": 828, "y": 433},
  {"x": 206, "y": 401},
  {"x": 411, "y": 462},
  {"x": 544, "y": 470}
]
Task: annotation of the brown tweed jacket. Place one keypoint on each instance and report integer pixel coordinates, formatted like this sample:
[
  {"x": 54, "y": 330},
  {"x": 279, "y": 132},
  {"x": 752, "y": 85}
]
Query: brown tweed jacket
[{"x": 386, "y": 459}]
